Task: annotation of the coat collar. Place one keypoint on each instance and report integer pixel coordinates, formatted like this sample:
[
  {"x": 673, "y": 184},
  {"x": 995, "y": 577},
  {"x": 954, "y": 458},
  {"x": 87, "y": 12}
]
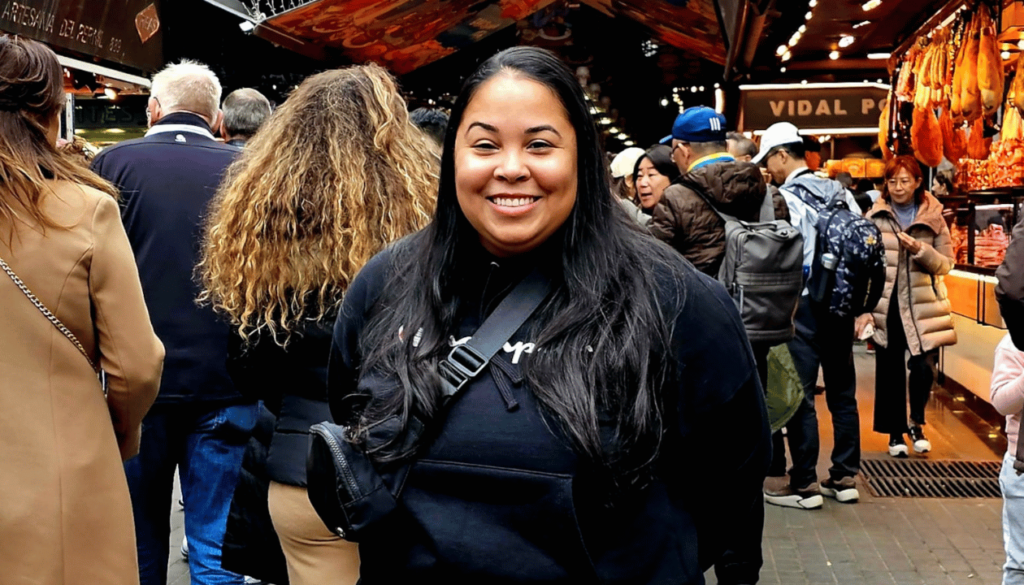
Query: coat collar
[{"x": 929, "y": 212}]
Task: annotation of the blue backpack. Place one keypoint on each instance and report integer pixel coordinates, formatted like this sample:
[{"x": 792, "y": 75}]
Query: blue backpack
[{"x": 848, "y": 273}]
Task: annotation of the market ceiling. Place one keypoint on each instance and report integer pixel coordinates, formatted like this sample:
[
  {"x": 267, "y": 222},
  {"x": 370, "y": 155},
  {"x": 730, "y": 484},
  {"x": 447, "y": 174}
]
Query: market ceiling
[
  {"x": 828, "y": 40},
  {"x": 404, "y": 35}
]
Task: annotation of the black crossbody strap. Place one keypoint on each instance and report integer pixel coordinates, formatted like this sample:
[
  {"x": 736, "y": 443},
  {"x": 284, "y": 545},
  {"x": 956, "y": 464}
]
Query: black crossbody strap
[{"x": 466, "y": 361}]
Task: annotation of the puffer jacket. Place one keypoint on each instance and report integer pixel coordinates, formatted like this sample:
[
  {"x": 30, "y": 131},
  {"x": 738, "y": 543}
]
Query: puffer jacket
[
  {"x": 685, "y": 221},
  {"x": 923, "y": 303}
]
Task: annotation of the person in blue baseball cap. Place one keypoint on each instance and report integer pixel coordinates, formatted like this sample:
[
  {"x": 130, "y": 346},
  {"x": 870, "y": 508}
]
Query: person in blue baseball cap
[{"x": 685, "y": 218}]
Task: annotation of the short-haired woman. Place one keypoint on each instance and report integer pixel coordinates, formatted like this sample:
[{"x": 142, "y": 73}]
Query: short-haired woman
[
  {"x": 334, "y": 175},
  {"x": 616, "y": 436},
  {"x": 65, "y": 511},
  {"x": 914, "y": 313}
]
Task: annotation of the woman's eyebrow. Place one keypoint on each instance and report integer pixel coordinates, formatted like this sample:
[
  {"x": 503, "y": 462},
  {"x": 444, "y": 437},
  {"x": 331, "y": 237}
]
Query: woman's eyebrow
[
  {"x": 483, "y": 125},
  {"x": 543, "y": 128}
]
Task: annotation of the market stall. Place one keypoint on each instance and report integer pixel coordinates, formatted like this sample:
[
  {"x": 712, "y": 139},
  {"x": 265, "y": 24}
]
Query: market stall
[
  {"x": 106, "y": 48},
  {"x": 958, "y": 93},
  {"x": 843, "y": 117}
]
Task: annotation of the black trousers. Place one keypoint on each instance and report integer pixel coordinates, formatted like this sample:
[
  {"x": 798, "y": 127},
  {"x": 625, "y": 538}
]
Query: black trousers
[
  {"x": 891, "y": 365},
  {"x": 741, "y": 563}
]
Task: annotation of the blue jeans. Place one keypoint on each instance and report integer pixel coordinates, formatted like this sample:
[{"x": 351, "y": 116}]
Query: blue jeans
[
  {"x": 206, "y": 443},
  {"x": 825, "y": 340},
  {"x": 1013, "y": 521}
]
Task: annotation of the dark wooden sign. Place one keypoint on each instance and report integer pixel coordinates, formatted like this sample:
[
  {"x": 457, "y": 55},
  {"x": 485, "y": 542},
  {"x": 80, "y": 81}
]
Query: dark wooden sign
[
  {"x": 822, "y": 106},
  {"x": 126, "y": 32}
]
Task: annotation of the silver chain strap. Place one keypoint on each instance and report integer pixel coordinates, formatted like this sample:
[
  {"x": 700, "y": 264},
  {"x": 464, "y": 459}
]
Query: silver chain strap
[{"x": 46, "y": 313}]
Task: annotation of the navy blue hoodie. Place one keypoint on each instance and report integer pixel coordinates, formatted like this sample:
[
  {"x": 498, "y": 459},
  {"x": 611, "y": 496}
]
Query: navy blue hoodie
[{"x": 500, "y": 496}]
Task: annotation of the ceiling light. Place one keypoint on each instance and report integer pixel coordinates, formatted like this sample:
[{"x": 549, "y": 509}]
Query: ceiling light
[
  {"x": 833, "y": 55},
  {"x": 110, "y": 92},
  {"x": 802, "y": 29},
  {"x": 871, "y": 5},
  {"x": 861, "y": 23},
  {"x": 664, "y": 102},
  {"x": 693, "y": 89},
  {"x": 717, "y": 86},
  {"x": 808, "y": 16},
  {"x": 803, "y": 82},
  {"x": 812, "y": 3},
  {"x": 846, "y": 41},
  {"x": 781, "y": 50},
  {"x": 786, "y": 56},
  {"x": 782, "y": 70},
  {"x": 878, "y": 56},
  {"x": 629, "y": 143},
  {"x": 701, "y": 88},
  {"x": 1005, "y": 55}
]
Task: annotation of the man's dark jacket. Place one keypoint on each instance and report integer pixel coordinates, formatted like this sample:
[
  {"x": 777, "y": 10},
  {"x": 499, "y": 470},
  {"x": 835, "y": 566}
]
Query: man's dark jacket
[
  {"x": 167, "y": 180},
  {"x": 685, "y": 221}
]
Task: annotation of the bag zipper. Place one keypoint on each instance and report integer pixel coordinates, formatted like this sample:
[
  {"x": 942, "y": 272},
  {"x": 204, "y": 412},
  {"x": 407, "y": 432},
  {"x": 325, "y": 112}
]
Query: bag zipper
[{"x": 346, "y": 471}]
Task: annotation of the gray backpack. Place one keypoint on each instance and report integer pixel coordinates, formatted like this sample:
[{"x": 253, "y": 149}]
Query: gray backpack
[{"x": 763, "y": 272}]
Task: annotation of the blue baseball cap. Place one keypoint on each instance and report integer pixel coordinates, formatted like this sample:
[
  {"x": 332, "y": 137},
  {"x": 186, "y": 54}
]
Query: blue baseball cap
[{"x": 698, "y": 124}]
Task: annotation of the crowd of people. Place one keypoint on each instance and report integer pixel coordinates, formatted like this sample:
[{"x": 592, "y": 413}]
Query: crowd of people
[{"x": 338, "y": 259}]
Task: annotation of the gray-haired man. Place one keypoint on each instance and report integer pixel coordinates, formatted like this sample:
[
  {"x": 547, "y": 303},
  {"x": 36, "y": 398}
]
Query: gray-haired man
[{"x": 245, "y": 110}]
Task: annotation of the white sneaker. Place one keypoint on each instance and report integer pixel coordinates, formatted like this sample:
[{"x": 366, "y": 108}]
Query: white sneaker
[
  {"x": 898, "y": 448},
  {"x": 921, "y": 444},
  {"x": 844, "y": 490}
]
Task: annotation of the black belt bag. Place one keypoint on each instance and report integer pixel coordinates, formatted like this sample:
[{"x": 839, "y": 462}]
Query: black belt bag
[{"x": 345, "y": 487}]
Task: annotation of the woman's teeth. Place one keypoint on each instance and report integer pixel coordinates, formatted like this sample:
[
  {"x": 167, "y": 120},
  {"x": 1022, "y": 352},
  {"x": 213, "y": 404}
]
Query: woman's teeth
[{"x": 513, "y": 201}]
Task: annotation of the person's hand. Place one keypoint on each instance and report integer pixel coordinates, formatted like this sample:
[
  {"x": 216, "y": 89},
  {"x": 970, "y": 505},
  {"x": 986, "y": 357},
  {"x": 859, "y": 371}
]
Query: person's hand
[
  {"x": 862, "y": 322},
  {"x": 913, "y": 246}
]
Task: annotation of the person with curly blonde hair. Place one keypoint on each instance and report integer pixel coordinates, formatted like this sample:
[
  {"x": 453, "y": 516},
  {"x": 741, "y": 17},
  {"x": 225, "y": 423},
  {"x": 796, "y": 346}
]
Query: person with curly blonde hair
[{"x": 336, "y": 174}]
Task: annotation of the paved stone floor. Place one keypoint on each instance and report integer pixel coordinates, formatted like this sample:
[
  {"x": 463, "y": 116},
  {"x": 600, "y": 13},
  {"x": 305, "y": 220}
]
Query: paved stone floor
[{"x": 895, "y": 541}]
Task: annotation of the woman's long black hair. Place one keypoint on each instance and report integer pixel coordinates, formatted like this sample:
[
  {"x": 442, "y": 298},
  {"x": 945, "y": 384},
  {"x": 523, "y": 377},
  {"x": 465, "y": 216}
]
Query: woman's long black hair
[{"x": 602, "y": 338}]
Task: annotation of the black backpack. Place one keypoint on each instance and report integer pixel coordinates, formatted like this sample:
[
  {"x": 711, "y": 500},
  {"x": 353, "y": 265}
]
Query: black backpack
[
  {"x": 763, "y": 271},
  {"x": 848, "y": 273}
]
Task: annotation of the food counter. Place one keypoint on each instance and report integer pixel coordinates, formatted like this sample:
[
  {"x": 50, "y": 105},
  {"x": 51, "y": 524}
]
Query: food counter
[{"x": 979, "y": 224}]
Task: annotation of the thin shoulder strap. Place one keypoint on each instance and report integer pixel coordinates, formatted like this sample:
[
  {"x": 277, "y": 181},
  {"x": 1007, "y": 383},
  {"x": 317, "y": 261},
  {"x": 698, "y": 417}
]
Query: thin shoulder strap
[{"x": 46, "y": 313}]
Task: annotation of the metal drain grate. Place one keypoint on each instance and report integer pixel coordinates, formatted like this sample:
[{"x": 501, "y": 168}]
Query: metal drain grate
[{"x": 900, "y": 478}]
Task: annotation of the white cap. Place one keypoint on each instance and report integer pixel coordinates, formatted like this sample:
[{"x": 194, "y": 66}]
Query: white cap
[
  {"x": 777, "y": 135},
  {"x": 625, "y": 161}
]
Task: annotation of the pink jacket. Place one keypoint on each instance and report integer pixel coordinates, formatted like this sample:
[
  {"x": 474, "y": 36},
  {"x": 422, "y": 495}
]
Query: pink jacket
[{"x": 1008, "y": 388}]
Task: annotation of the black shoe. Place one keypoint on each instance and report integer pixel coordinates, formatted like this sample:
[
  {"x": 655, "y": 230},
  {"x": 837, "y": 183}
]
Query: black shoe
[
  {"x": 921, "y": 444},
  {"x": 897, "y": 446}
]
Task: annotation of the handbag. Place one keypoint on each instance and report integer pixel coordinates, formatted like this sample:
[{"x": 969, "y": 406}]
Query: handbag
[
  {"x": 785, "y": 392},
  {"x": 345, "y": 488},
  {"x": 54, "y": 320}
]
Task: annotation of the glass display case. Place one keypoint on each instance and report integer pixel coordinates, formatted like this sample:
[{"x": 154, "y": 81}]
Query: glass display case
[{"x": 980, "y": 223}]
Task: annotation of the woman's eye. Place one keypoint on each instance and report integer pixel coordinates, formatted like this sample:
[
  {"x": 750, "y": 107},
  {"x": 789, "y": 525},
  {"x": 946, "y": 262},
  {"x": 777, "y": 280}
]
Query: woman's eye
[
  {"x": 485, "y": 146},
  {"x": 539, "y": 144}
]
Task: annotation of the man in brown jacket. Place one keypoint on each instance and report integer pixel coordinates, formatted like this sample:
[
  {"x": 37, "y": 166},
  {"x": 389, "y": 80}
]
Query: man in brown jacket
[{"x": 684, "y": 218}]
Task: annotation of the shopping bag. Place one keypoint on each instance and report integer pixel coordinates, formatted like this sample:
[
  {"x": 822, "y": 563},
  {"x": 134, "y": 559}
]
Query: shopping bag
[{"x": 785, "y": 392}]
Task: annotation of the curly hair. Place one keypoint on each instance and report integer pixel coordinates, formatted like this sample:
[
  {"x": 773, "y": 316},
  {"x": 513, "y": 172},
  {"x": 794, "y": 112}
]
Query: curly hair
[{"x": 336, "y": 173}]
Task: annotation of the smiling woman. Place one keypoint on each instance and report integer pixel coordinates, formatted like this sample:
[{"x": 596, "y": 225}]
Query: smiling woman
[
  {"x": 567, "y": 458},
  {"x": 515, "y": 164}
]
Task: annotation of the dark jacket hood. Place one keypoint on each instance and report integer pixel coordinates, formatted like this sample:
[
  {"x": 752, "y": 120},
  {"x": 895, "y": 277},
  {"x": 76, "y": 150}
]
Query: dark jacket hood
[{"x": 735, "y": 188}]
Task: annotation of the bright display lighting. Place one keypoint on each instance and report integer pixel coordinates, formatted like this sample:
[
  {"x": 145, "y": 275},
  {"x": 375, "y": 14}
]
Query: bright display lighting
[
  {"x": 846, "y": 41},
  {"x": 861, "y": 23},
  {"x": 871, "y": 5},
  {"x": 781, "y": 50},
  {"x": 786, "y": 56},
  {"x": 878, "y": 55},
  {"x": 833, "y": 55}
]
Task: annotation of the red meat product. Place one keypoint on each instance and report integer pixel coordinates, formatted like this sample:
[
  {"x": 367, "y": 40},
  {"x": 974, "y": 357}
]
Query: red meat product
[{"x": 926, "y": 138}]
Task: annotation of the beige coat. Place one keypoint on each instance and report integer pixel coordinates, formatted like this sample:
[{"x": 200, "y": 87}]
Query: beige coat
[
  {"x": 927, "y": 319},
  {"x": 65, "y": 512}
]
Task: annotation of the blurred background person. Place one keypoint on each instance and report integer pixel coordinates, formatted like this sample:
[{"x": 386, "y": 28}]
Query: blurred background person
[
  {"x": 65, "y": 511},
  {"x": 914, "y": 313},
  {"x": 623, "y": 188},
  {"x": 245, "y": 110},
  {"x": 337, "y": 174},
  {"x": 740, "y": 147},
  {"x": 653, "y": 173},
  {"x": 433, "y": 122}
]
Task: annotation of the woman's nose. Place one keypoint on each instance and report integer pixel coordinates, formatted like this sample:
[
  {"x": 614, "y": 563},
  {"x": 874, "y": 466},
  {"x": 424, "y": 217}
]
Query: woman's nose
[{"x": 512, "y": 168}]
